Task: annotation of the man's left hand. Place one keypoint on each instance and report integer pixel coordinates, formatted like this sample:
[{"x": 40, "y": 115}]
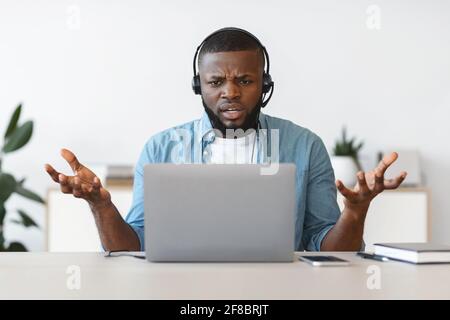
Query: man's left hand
[{"x": 369, "y": 185}]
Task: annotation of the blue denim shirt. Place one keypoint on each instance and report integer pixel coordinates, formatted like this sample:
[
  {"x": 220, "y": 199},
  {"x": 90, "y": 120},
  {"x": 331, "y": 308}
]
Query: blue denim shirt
[{"x": 317, "y": 208}]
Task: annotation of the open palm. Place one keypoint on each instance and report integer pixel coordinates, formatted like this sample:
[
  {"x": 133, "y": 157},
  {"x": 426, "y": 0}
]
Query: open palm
[
  {"x": 83, "y": 184},
  {"x": 370, "y": 184}
]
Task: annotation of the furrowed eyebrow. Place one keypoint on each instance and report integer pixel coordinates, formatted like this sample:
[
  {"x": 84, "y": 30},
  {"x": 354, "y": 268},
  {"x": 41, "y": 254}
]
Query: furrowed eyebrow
[
  {"x": 215, "y": 77},
  {"x": 220, "y": 77},
  {"x": 244, "y": 76}
]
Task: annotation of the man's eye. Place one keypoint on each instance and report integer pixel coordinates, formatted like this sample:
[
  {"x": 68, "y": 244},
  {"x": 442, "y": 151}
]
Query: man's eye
[
  {"x": 215, "y": 83},
  {"x": 245, "y": 82}
]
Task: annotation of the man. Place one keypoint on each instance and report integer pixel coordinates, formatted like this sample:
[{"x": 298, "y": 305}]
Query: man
[{"x": 232, "y": 82}]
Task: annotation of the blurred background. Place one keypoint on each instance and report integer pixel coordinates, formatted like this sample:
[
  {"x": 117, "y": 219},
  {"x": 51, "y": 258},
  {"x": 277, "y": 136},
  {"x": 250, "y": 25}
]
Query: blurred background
[{"x": 100, "y": 77}]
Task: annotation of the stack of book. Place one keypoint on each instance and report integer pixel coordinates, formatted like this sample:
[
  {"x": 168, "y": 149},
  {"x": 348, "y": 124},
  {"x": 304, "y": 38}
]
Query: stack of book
[
  {"x": 119, "y": 175},
  {"x": 419, "y": 253}
]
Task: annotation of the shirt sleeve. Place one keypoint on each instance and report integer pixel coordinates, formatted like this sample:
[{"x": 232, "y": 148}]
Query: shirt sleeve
[
  {"x": 322, "y": 210},
  {"x": 135, "y": 217}
]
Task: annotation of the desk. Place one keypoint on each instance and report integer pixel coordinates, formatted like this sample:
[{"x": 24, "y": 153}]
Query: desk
[
  {"x": 43, "y": 276},
  {"x": 401, "y": 215}
]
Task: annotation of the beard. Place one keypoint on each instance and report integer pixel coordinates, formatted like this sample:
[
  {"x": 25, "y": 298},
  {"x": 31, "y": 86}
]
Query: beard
[{"x": 250, "y": 122}]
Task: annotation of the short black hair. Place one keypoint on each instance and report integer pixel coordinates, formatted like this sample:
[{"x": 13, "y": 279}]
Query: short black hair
[{"x": 230, "y": 40}]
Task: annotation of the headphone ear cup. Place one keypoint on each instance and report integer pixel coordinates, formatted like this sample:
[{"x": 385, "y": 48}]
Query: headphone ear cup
[
  {"x": 196, "y": 84},
  {"x": 267, "y": 83}
]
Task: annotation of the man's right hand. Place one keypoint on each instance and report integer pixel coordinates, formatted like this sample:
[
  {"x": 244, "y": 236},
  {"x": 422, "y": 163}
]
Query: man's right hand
[{"x": 83, "y": 184}]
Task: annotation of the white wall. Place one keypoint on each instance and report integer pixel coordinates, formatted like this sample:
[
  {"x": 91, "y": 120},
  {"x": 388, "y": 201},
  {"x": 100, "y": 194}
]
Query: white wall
[{"x": 104, "y": 86}]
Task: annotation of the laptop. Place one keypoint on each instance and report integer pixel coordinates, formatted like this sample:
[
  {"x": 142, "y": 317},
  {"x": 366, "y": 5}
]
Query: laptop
[{"x": 219, "y": 213}]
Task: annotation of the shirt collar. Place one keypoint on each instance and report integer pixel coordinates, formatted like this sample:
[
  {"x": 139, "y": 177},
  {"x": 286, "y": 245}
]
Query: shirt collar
[{"x": 206, "y": 132}]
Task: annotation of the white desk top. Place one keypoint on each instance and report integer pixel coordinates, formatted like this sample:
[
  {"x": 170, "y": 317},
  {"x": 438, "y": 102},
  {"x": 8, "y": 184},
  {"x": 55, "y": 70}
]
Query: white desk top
[{"x": 43, "y": 276}]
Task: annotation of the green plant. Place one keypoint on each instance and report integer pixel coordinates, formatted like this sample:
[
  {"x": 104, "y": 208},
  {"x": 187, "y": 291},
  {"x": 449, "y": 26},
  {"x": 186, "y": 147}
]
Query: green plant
[
  {"x": 16, "y": 136},
  {"x": 348, "y": 148}
]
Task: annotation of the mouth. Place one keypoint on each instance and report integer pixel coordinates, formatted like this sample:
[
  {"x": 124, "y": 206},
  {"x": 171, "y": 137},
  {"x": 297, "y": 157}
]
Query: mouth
[{"x": 232, "y": 111}]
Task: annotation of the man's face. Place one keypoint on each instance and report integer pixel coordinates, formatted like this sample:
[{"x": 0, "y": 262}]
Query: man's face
[{"x": 231, "y": 85}]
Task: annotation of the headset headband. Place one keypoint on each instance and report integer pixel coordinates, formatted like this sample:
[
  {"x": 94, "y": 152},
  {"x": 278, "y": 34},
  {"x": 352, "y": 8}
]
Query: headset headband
[{"x": 266, "y": 55}]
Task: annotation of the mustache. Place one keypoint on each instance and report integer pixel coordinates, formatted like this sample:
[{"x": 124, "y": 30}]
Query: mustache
[{"x": 251, "y": 120}]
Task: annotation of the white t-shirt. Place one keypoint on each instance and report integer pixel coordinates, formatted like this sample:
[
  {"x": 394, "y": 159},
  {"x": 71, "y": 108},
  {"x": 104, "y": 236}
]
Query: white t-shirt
[{"x": 234, "y": 151}]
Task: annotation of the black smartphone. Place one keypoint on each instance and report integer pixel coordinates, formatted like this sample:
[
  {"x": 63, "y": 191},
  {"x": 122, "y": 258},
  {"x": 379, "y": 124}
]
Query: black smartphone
[{"x": 319, "y": 261}]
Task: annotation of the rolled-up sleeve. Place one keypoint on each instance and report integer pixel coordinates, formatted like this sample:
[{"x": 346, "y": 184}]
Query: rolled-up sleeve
[
  {"x": 322, "y": 210},
  {"x": 135, "y": 216}
]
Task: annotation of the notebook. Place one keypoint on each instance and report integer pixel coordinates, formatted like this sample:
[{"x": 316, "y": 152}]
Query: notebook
[{"x": 414, "y": 252}]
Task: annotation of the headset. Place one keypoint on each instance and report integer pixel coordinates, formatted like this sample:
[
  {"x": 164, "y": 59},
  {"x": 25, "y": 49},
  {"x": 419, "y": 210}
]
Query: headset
[{"x": 268, "y": 84}]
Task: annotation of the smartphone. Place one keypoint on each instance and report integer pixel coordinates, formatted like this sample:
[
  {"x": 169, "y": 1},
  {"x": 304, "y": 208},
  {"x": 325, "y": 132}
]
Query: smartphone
[{"x": 319, "y": 261}]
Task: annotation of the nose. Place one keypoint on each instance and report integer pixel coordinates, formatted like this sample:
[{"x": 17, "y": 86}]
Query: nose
[{"x": 231, "y": 91}]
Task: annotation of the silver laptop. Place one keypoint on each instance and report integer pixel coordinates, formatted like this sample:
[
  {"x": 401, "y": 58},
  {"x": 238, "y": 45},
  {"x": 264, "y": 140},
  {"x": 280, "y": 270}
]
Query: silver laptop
[{"x": 219, "y": 213}]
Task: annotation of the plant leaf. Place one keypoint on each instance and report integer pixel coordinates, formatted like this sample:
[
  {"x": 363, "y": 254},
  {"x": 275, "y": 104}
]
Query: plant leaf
[
  {"x": 28, "y": 194},
  {"x": 350, "y": 143},
  {"x": 7, "y": 186},
  {"x": 2, "y": 217},
  {"x": 2, "y": 242},
  {"x": 16, "y": 247},
  {"x": 13, "y": 121},
  {"x": 347, "y": 147},
  {"x": 26, "y": 220},
  {"x": 358, "y": 164},
  {"x": 359, "y": 146},
  {"x": 344, "y": 134},
  {"x": 19, "y": 137}
]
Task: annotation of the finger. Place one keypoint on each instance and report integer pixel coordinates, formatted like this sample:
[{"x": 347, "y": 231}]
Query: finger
[
  {"x": 87, "y": 190},
  {"x": 379, "y": 181},
  {"x": 96, "y": 185},
  {"x": 344, "y": 190},
  {"x": 386, "y": 162},
  {"x": 64, "y": 184},
  {"x": 396, "y": 182},
  {"x": 71, "y": 159},
  {"x": 52, "y": 172},
  {"x": 77, "y": 192},
  {"x": 362, "y": 183}
]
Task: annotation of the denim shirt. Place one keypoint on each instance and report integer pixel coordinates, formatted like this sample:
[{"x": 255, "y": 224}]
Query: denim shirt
[{"x": 317, "y": 208}]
